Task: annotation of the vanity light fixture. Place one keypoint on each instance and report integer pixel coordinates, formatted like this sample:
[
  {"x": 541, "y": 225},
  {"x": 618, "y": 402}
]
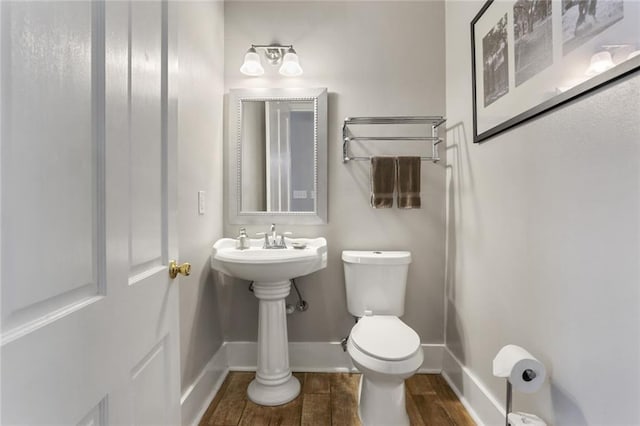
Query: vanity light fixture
[{"x": 276, "y": 54}]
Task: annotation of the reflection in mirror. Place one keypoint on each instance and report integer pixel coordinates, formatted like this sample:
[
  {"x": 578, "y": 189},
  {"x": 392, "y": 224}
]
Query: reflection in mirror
[
  {"x": 278, "y": 156},
  {"x": 277, "y": 149}
]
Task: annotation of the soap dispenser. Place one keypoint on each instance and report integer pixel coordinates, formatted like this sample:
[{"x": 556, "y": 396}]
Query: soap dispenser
[{"x": 243, "y": 242}]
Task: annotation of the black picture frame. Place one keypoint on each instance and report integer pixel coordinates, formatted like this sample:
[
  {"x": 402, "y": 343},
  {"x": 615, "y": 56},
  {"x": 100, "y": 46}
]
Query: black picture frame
[{"x": 620, "y": 70}]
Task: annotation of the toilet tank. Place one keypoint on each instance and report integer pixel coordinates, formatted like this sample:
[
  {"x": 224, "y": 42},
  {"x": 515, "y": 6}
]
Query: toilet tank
[{"x": 376, "y": 281}]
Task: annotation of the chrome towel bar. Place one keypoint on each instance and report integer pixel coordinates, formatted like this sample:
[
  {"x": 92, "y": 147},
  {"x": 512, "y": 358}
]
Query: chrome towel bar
[{"x": 433, "y": 122}]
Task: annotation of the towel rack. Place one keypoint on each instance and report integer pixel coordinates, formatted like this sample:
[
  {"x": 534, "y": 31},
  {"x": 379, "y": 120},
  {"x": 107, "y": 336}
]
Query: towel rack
[{"x": 433, "y": 121}]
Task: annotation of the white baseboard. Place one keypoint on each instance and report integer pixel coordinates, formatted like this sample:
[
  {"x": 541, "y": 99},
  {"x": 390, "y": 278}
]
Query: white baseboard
[
  {"x": 432, "y": 363},
  {"x": 329, "y": 357},
  {"x": 481, "y": 405},
  {"x": 303, "y": 356},
  {"x": 316, "y": 357},
  {"x": 196, "y": 398}
]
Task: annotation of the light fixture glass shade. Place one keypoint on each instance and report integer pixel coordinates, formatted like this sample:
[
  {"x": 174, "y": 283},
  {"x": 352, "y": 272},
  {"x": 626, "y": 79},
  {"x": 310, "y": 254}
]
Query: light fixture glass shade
[
  {"x": 252, "y": 65},
  {"x": 600, "y": 62},
  {"x": 290, "y": 66}
]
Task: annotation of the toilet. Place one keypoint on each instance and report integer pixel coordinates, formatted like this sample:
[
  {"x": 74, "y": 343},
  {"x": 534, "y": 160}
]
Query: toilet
[{"x": 382, "y": 347}]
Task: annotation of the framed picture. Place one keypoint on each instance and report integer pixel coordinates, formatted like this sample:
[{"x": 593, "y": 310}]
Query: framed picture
[{"x": 529, "y": 56}]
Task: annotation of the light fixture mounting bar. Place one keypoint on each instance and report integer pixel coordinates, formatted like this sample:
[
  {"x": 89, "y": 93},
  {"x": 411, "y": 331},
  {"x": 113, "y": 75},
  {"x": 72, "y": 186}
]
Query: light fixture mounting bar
[
  {"x": 277, "y": 54},
  {"x": 273, "y": 46}
]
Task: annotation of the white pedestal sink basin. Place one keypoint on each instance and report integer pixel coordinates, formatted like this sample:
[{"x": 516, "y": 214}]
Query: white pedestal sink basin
[{"x": 271, "y": 271}]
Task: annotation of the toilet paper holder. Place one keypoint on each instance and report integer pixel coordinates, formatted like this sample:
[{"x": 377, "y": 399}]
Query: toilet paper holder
[{"x": 527, "y": 375}]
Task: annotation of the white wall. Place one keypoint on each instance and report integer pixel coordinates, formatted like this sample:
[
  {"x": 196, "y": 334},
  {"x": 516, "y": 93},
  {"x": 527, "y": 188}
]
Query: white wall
[
  {"x": 543, "y": 244},
  {"x": 375, "y": 58},
  {"x": 200, "y": 47}
]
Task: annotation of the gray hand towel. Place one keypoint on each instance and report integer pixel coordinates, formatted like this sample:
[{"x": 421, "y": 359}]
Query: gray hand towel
[
  {"x": 383, "y": 180},
  {"x": 408, "y": 182}
]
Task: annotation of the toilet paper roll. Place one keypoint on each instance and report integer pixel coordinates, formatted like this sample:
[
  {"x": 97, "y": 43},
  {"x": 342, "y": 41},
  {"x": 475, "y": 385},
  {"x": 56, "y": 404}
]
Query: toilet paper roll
[{"x": 522, "y": 369}]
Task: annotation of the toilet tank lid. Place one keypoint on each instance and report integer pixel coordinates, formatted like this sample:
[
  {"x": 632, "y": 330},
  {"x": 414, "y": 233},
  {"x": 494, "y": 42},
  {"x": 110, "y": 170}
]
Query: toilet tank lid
[{"x": 377, "y": 257}]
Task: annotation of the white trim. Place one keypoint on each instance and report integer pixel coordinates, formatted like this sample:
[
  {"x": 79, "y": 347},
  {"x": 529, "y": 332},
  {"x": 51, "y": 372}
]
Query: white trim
[
  {"x": 303, "y": 356},
  {"x": 241, "y": 356},
  {"x": 313, "y": 357},
  {"x": 328, "y": 357},
  {"x": 476, "y": 398},
  {"x": 196, "y": 398},
  {"x": 319, "y": 357},
  {"x": 433, "y": 356}
]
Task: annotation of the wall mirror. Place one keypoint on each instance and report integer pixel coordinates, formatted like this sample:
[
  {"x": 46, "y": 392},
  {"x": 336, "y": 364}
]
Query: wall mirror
[{"x": 277, "y": 152}]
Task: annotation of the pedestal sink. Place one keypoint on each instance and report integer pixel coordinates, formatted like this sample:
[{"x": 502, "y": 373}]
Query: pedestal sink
[{"x": 271, "y": 271}]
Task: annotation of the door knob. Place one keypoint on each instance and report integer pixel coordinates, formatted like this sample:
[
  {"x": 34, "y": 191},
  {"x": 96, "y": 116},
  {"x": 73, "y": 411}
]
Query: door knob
[{"x": 175, "y": 269}]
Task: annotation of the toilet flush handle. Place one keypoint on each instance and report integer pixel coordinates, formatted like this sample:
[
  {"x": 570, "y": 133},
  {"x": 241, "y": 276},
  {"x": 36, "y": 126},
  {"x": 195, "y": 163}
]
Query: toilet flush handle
[{"x": 368, "y": 313}]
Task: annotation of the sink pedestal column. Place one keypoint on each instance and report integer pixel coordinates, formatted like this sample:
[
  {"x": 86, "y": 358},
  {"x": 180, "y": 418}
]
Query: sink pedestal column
[{"x": 274, "y": 384}]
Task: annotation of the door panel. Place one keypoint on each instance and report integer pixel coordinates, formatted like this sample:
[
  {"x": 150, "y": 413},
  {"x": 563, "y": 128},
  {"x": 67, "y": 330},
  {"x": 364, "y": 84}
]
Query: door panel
[
  {"x": 151, "y": 374},
  {"x": 50, "y": 215},
  {"x": 52, "y": 279},
  {"x": 88, "y": 208}
]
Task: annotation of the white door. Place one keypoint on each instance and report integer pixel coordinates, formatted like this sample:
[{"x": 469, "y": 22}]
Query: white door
[{"x": 89, "y": 313}]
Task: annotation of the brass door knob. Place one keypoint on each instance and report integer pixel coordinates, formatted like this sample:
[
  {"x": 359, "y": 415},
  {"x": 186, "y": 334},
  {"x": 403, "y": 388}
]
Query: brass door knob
[{"x": 175, "y": 269}]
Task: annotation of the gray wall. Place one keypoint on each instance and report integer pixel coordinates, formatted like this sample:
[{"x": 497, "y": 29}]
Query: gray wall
[
  {"x": 200, "y": 88},
  {"x": 543, "y": 244},
  {"x": 375, "y": 58}
]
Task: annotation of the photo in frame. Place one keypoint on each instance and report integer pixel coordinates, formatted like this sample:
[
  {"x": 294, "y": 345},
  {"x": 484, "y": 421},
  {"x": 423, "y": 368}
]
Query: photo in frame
[{"x": 530, "y": 56}]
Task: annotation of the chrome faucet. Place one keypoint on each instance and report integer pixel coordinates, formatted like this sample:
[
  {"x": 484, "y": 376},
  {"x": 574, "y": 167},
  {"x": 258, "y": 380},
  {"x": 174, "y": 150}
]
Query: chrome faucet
[{"x": 273, "y": 241}]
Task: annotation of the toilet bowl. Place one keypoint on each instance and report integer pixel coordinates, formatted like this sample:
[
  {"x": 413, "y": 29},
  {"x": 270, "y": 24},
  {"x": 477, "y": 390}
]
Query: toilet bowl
[{"x": 386, "y": 351}]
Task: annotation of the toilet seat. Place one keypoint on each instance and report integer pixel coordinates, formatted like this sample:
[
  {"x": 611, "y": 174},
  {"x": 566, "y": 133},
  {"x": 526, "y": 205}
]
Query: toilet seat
[{"x": 385, "y": 337}]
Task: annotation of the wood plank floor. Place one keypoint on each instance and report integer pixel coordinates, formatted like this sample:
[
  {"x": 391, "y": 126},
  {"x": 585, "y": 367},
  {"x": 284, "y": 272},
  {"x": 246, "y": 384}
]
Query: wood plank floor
[{"x": 332, "y": 399}]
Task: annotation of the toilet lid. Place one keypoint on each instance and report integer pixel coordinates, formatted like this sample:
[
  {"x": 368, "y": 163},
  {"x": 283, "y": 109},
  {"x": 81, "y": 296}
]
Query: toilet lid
[{"x": 385, "y": 337}]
